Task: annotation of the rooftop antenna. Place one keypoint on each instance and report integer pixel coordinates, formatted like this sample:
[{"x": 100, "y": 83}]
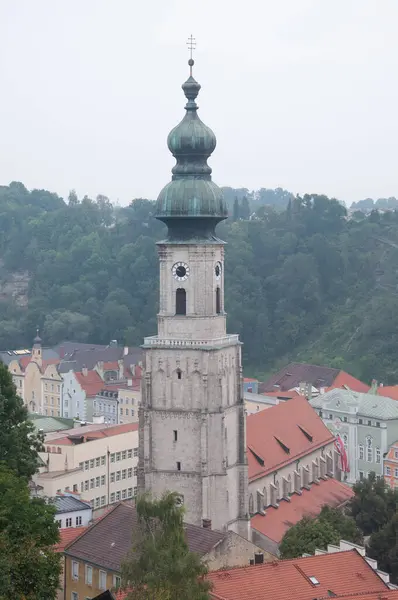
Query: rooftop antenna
[{"x": 191, "y": 43}]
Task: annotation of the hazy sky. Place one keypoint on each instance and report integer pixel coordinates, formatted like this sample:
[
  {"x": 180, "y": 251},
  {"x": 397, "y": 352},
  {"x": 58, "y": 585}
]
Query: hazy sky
[{"x": 301, "y": 94}]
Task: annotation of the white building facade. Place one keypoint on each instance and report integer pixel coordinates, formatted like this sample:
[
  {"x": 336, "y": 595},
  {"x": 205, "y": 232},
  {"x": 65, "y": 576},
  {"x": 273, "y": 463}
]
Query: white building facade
[{"x": 97, "y": 461}]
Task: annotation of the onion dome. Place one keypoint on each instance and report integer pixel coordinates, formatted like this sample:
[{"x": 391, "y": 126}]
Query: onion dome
[
  {"x": 37, "y": 341},
  {"x": 191, "y": 204}
]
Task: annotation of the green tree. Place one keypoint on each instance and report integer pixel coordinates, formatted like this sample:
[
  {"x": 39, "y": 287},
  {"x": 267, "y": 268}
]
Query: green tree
[
  {"x": 244, "y": 209},
  {"x": 306, "y": 536},
  {"x": 29, "y": 567},
  {"x": 160, "y": 565},
  {"x": 342, "y": 523},
  {"x": 236, "y": 212},
  {"x": 383, "y": 546},
  {"x": 331, "y": 526},
  {"x": 373, "y": 505},
  {"x": 19, "y": 442}
]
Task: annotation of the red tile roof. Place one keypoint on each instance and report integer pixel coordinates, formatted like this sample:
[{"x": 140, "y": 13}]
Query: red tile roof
[
  {"x": 114, "y": 365},
  {"x": 376, "y": 595},
  {"x": 91, "y": 383},
  {"x": 337, "y": 574},
  {"x": 67, "y": 536},
  {"x": 25, "y": 360},
  {"x": 92, "y": 433},
  {"x": 249, "y": 379},
  {"x": 277, "y": 521},
  {"x": 345, "y": 380},
  {"x": 282, "y": 434},
  {"x": 389, "y": 391}
]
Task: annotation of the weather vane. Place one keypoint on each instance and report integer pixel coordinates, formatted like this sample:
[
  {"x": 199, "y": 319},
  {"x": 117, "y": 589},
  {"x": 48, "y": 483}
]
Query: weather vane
[{"x": 191, "y": 43}]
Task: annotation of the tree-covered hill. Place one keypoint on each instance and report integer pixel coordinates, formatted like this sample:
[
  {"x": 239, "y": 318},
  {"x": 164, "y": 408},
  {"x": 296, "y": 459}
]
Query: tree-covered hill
[{"x": 302, "y": 282}]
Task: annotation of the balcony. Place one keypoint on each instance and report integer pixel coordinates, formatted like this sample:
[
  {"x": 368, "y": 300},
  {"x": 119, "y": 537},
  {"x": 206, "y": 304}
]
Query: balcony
[{"x": 159, "y": 342}]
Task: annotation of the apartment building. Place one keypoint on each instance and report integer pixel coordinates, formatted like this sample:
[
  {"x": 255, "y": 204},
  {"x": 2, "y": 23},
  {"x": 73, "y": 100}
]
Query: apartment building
[
  {"x": 367, "y": 425},
  {"x": 98, "y": 461}
]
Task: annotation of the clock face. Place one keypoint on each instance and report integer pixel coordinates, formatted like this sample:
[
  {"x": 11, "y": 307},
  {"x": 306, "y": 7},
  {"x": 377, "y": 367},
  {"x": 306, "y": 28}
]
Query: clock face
[
  {"x": 180, "y": 271},
  {"x": 217, "y": 270}
]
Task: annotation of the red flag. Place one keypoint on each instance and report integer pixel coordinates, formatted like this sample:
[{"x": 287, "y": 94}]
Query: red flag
[{"x": 341, "y": 451}]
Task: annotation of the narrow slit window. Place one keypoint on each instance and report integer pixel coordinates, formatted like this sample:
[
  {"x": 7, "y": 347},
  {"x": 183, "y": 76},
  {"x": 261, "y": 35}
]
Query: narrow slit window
[
  {"x": 175, "y": 435},
  {"x": 178, "y": 466},
  {"x": 218, "y": 301},
  {"x": 179, "y": 374},
  {"x": 181, "y": 301}
]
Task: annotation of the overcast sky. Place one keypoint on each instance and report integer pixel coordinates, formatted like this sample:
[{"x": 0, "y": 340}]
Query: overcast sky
[{"x": 301, "y": 94}]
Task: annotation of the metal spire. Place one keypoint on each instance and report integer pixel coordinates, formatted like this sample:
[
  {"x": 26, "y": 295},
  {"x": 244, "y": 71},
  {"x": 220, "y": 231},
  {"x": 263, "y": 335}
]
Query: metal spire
[{"x": 191, "y": 43}]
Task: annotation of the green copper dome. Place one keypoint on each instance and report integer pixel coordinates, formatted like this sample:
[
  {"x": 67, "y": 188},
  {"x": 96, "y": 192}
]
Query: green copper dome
[{"x": 191, "y": 204}]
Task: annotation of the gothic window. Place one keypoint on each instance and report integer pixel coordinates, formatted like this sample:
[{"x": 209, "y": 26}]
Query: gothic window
[
  {"x": 260, "y": 501},
  {"x": 181, "y": 301},
  {"x": 251, "y": 504},
  {"x": 218, "y": 301},
  {"x": 179, "y": 374},
  {"x": 369, "y": 449},
  {"x": 361, "y": 452},
  {"x": 378, "y": 455}
]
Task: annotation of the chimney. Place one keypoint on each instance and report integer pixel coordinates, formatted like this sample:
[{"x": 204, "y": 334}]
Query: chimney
[
  {"x": 258, "y": 558},
  {"x": 206, "y": 523},
  {"x": 84, "y": 371},
  {"x": 125, "y": 350}
]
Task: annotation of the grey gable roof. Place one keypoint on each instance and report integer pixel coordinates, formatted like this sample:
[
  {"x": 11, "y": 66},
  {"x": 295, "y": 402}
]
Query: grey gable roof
[
  {"x": 294, "y": 373},
  {"x": 65, "y": 504},
  {"x": 107, "y": 542},
  {"x": 367, "y": 405}
]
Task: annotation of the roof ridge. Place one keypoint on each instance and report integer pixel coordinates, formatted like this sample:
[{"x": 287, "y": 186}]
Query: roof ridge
[{"x": 276, "y": 562}]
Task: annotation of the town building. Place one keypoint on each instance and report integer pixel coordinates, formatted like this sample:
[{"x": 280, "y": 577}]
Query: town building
[
  {"x": 345, "y": 575},
  {"x": 66, "y": 537},
  {"x": 390, "y": 467},
  {"x": 192, "y": 414},
  {"x": 97, "y": 461},
  {"x": 118, "y": 403},
  {"x": 71, "y": 511},
  {"x": 93, "y": 561},
  {"x": 38, "y": 381},
  {"x": 292, "y": 468},
  {"x": 250, "y": 385},
  {"x": 95, "y": 392},
  {"x": 63, "y": 381},
  {"x": 310, "y": 380},
  {"x": 367, "y": 425},
  {"x": 256, "y": 402}
]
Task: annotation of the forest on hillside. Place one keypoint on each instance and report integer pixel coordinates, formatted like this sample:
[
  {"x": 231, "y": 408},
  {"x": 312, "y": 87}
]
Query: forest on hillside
[{"x": 303, "y": 282}]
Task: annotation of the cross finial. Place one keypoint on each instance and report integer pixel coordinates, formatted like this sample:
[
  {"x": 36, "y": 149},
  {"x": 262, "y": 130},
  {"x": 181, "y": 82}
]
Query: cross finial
[{"x": 191, "y": 43}]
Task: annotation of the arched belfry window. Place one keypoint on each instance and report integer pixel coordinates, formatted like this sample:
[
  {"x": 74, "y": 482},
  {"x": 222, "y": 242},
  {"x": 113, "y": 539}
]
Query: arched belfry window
[
  {"x": 218, "y": 300},
  {"x": 181, "y": 301}
]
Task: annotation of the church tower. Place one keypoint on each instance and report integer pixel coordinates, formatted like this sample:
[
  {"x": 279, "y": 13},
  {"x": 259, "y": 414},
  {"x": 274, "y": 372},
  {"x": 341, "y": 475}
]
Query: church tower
[{"x": 192, "y": 415}]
